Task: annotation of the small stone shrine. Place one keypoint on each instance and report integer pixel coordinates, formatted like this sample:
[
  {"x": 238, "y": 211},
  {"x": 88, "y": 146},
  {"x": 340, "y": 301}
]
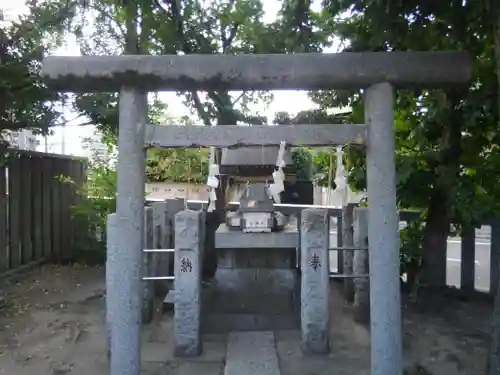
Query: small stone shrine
[
  {"x": 256, "y": 212},
  {"x": 256, "y": 285}
]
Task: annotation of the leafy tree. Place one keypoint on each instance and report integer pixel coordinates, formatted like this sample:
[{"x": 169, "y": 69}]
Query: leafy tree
[
  {"x": 187, "y": 165},
  {"x": 97, "y": 199},
  {"x": 446, "y": 139},
  {"x": 302, "y": 161},
  {"x": 319, "y": 160},
  {"x": 24, "y": 101}
]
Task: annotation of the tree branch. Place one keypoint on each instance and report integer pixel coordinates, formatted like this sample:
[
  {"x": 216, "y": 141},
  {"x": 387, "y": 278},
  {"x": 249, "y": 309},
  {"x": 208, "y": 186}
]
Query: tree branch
[
  {"x": 225, "y": 39},
  {"x": 239, "y": 98}
]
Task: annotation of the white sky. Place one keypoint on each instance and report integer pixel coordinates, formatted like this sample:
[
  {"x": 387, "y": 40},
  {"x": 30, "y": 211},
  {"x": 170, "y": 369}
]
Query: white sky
[{"x": 287, "y": 101}]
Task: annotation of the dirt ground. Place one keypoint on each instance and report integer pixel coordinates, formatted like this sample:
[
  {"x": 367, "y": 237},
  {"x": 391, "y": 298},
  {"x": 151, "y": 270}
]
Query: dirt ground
[{"x": 52, "y": 322}]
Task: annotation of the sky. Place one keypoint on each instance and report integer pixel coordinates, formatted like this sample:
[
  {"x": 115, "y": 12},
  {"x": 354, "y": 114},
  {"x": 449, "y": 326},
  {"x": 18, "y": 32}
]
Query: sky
[{"x": 286, "y": 101}]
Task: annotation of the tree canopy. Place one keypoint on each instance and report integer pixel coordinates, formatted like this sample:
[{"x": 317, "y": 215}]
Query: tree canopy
[
  {"x": 24, "y": 101},
  {"x": 447, "y": 141}
]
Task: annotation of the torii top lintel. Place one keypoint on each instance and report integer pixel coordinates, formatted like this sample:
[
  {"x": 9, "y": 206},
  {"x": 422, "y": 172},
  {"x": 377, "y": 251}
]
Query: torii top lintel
[{"x": 258, "y": 72}]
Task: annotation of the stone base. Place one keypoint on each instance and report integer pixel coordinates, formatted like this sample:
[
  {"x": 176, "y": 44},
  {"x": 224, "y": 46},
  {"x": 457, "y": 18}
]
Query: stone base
[
  {"x": 253, "y": 302},
  {"x": 234, "y": 239},
  {"x": 256, "y": 290}
]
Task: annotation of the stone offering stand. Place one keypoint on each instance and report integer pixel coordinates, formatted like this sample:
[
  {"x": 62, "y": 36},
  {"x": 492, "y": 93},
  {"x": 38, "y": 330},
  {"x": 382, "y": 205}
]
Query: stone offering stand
[{"x": 134, "y": 228}]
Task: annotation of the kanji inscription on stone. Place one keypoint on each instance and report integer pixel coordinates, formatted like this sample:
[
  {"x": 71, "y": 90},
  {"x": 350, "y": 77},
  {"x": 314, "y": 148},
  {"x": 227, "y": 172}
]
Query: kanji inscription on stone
[
  {"x": 315, "y": 262},
  {"x": 186, "y": 265}
]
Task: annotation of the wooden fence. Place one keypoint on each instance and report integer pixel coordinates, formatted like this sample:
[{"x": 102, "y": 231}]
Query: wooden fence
[{"x": 36, "y": 222}]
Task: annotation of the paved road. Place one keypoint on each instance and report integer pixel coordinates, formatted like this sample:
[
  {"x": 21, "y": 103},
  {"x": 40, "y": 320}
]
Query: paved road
[{"x": 482, "y": 269}]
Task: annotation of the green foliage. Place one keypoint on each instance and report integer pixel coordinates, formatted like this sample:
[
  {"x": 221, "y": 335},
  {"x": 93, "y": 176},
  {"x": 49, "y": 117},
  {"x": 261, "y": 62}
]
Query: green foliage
[
  {"x": 186, "y": 27},
  {"x": 325, "y": 163},
  {"x": 97, "y": 199},
  {"x": 321, "y": 158},
  {"x": 24, "y": 101},
  {"x": 98, "y": 193},
  {"x": 177, "y": 165},
  {"x": 411, "y": 238},
  {"x": 444, "y": 138},
  {"x": 302, "y": 163},
  {"x": 411, "y": 255}
]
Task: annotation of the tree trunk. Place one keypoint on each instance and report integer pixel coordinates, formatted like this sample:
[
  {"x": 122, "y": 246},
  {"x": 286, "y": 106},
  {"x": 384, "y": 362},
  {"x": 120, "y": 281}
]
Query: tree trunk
[
  {"x": 493, "y": 363},
  {"x": 435, "y": 239},
  {"x": 447, "y": 170}
]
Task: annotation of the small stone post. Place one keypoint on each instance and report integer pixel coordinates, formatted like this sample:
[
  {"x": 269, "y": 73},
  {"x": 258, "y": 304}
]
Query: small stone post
[
  {"x": 361, "y": 266},
  {"x": 148, "y": 264},
  {"x": 348, "y": 255},
  {"x": 315, "y": 314},
  {"x": 162, "y": 231},
  {"x": 187, "y": 338}
]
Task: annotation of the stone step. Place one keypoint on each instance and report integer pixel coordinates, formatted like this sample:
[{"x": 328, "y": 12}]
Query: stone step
[{"x": 251, "y": 353}]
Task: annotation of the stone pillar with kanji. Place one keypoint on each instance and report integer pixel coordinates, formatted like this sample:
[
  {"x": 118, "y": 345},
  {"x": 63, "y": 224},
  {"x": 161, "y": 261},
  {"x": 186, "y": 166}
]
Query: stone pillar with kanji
[
  {"x": 315, "y": 272},
  {"x": 188, "y": 259}
]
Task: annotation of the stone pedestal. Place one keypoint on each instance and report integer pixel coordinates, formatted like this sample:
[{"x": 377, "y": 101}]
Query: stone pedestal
[{"x": 256, "y": 287}]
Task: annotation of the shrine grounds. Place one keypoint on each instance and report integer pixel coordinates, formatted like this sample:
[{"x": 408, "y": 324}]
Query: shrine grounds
[{"x": 52, "y": 321}]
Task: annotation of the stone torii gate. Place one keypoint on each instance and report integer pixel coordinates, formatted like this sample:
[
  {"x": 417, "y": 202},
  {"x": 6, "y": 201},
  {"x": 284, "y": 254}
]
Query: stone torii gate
[{"x": 378, "y": 73}]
